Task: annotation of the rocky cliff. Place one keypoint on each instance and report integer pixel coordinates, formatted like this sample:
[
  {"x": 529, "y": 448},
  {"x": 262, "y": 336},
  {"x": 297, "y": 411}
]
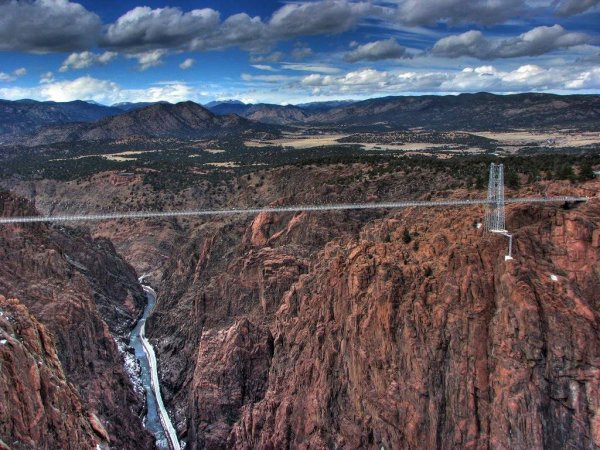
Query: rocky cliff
[
  {"x": 87, "y": 298},
  {"x": 345, "y": 331},
  {"x": 38, "y": 407},
  {"x": 394, "y": 329}
]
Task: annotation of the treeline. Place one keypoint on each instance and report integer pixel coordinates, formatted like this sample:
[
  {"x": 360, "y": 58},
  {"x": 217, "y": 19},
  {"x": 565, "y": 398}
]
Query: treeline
[{"x": 473, "y": 169}]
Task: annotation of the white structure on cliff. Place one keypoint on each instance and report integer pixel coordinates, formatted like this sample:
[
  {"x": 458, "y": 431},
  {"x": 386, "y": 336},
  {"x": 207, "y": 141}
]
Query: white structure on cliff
[{"x": 495, "y": 216}]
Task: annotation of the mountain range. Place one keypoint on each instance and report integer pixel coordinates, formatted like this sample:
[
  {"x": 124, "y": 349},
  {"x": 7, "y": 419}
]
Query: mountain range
[
  {"x": 46, "y": 122},
  {"x": 481, "y": 111},
  {"x": 26, "y": 115},
  {"x": 185, "y": 120}
]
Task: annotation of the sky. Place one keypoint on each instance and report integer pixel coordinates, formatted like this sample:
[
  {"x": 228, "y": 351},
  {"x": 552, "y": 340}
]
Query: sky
[{"x": 294, "y": 51}]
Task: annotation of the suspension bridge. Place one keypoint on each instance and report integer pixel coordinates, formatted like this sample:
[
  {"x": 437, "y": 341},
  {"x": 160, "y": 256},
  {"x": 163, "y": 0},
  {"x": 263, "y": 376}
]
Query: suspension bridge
[{"x": 494, "y": 218}]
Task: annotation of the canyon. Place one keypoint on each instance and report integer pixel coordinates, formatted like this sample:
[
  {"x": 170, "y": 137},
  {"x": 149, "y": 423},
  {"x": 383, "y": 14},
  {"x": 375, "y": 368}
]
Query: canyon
[
  {"x": 317, "y": 330},
  {"x": 299, "y": 339},
  {"x": 68, "y": 303},
  {"x": 300, "y": 224}
]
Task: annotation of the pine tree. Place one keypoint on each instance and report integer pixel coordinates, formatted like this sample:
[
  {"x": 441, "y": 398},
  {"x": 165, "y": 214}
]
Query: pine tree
[
  {"x": 406, "y": 236},
  {"x": 586, "y": 172}
]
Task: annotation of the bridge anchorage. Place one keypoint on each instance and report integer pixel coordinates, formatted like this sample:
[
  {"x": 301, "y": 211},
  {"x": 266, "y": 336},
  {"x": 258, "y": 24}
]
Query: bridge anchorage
[{"x": 495, "y": 216}]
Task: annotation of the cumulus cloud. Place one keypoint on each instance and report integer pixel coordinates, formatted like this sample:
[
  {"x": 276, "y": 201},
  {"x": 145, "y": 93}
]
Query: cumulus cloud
[
  {"x": 266, "y": 78},
  {"x": 423, "y": 12},
  {"x": 102, "y": 91},
  {"x": 376, "y": 51},
  {"x": 21, "y": 71},
  {"x": 239, "y": 29},
  {"x": 62, "y": 25},
  {"x": 472, "y": 79},
  {"x": 143, "y": 28},
  {"x": 266, "y": 58},
  {"x": 571, "y": 7},
  {"x": 321, "y": 17},
  {"x": 47, "y": 77},
  {"x": 151, "y": 58},
  {"x": 301, "y": 52},
  {"x": 535, "y": 42},
  {"x": 47, "y": 26},
  {"x": 83, "y": 60},
  {"x": 187, "y": 64},
  {"x": 361, "y": 77}
]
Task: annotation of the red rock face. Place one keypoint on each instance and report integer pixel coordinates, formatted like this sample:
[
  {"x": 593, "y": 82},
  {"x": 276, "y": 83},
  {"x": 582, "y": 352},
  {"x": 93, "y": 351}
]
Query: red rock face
[
  {"x": 85, "y": 296},
  {"x": 38, "y": 407},
  {"x": 435, "y": 343}
]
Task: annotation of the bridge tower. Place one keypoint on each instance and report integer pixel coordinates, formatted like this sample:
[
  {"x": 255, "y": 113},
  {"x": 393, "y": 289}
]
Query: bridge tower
[{"x": 495, "y": 216}]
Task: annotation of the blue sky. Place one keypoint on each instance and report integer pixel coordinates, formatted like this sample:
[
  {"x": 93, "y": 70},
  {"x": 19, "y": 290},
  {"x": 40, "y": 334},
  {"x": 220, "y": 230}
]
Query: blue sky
[{"x": 291, "y": 52}]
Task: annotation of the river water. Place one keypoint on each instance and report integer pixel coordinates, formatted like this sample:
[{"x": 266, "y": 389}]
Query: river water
[{"x": 152, "y": 420}]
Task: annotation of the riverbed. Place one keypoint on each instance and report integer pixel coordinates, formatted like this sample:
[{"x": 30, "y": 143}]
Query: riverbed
[{"x": 157, "y": 420}]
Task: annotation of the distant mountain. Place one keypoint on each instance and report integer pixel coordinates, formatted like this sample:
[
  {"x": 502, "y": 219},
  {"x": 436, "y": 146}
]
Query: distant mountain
[
  {"x": 216, "y": 103},
  {"x": 261, "y": 112},
  {"x": 45, "y": 122},
  {"x": 29, "y": 115},
  {"x": 129, "y": 106},
  {"x": 323, "y": 106},
  {"x": 186, "y": 120},
  {"x": 228, "y": 107},
  {"x": 481, "y": 111}
]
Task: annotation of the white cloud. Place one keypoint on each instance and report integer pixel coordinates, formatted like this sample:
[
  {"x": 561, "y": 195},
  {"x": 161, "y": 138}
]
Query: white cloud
[
  {"x": 269, "y": 58},
  {"x": 305, "y": 67},
  {"x": 80, "y": 88},
  {"x": 264, "y": 67},
  {"x": 143, "y": 29},
  {"x": 187, "y": 64},
  {"x": 47, "y": 77},
  {"x": 148, "y": 59},
  {"x": 572, "y": 7},
  {"x": 362, "y": 77},
  {"x": 529, "y": 77},
  {"x": 376, "y": 51},
  {"x": 301, "y": 52},
  {"x": 535, "y": 42},
  {"x": 266, "y": 78},
  {"x": 83, "y": 60},
  {"x": 423, "y": 12},
  {"x": 62, "y": 25},
  {"x": 21, "y": 71},
  {"x": 102, "y": 91},
  {"x": 320, "y": 17}
]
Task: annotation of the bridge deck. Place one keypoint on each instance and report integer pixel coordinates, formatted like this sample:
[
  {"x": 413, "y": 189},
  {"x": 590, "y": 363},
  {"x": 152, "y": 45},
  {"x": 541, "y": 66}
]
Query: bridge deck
[{"x": 84, "y": 217}]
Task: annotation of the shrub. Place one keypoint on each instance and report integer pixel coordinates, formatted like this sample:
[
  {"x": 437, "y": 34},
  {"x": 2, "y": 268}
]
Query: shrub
[{"x": 406, "y": 236}]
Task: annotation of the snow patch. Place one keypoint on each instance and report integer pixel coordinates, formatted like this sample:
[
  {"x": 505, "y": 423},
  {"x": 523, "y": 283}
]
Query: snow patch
[
  {"x": 132, "y": 367},
  {"x": 553, "y": 277},
  {"x": 3, "y": 342}
]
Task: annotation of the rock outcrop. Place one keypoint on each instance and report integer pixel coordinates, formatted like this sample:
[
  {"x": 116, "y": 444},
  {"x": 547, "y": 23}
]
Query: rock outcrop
[
  {"x": 86, "y": 297},
  {"x": 382, "y": 341},
  {"x": 38, "y": 406},
  {"x": 362, "y": 329}
]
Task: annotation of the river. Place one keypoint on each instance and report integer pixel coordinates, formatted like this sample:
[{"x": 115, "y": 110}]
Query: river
[{"x": 157, "y": 419}]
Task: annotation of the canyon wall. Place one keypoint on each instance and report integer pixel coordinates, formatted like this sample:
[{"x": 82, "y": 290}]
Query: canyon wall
[
  {"x": 87, "y": 298},
  {"x": 393, "y": 329},
  {"x": 344, "y": 331}
]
